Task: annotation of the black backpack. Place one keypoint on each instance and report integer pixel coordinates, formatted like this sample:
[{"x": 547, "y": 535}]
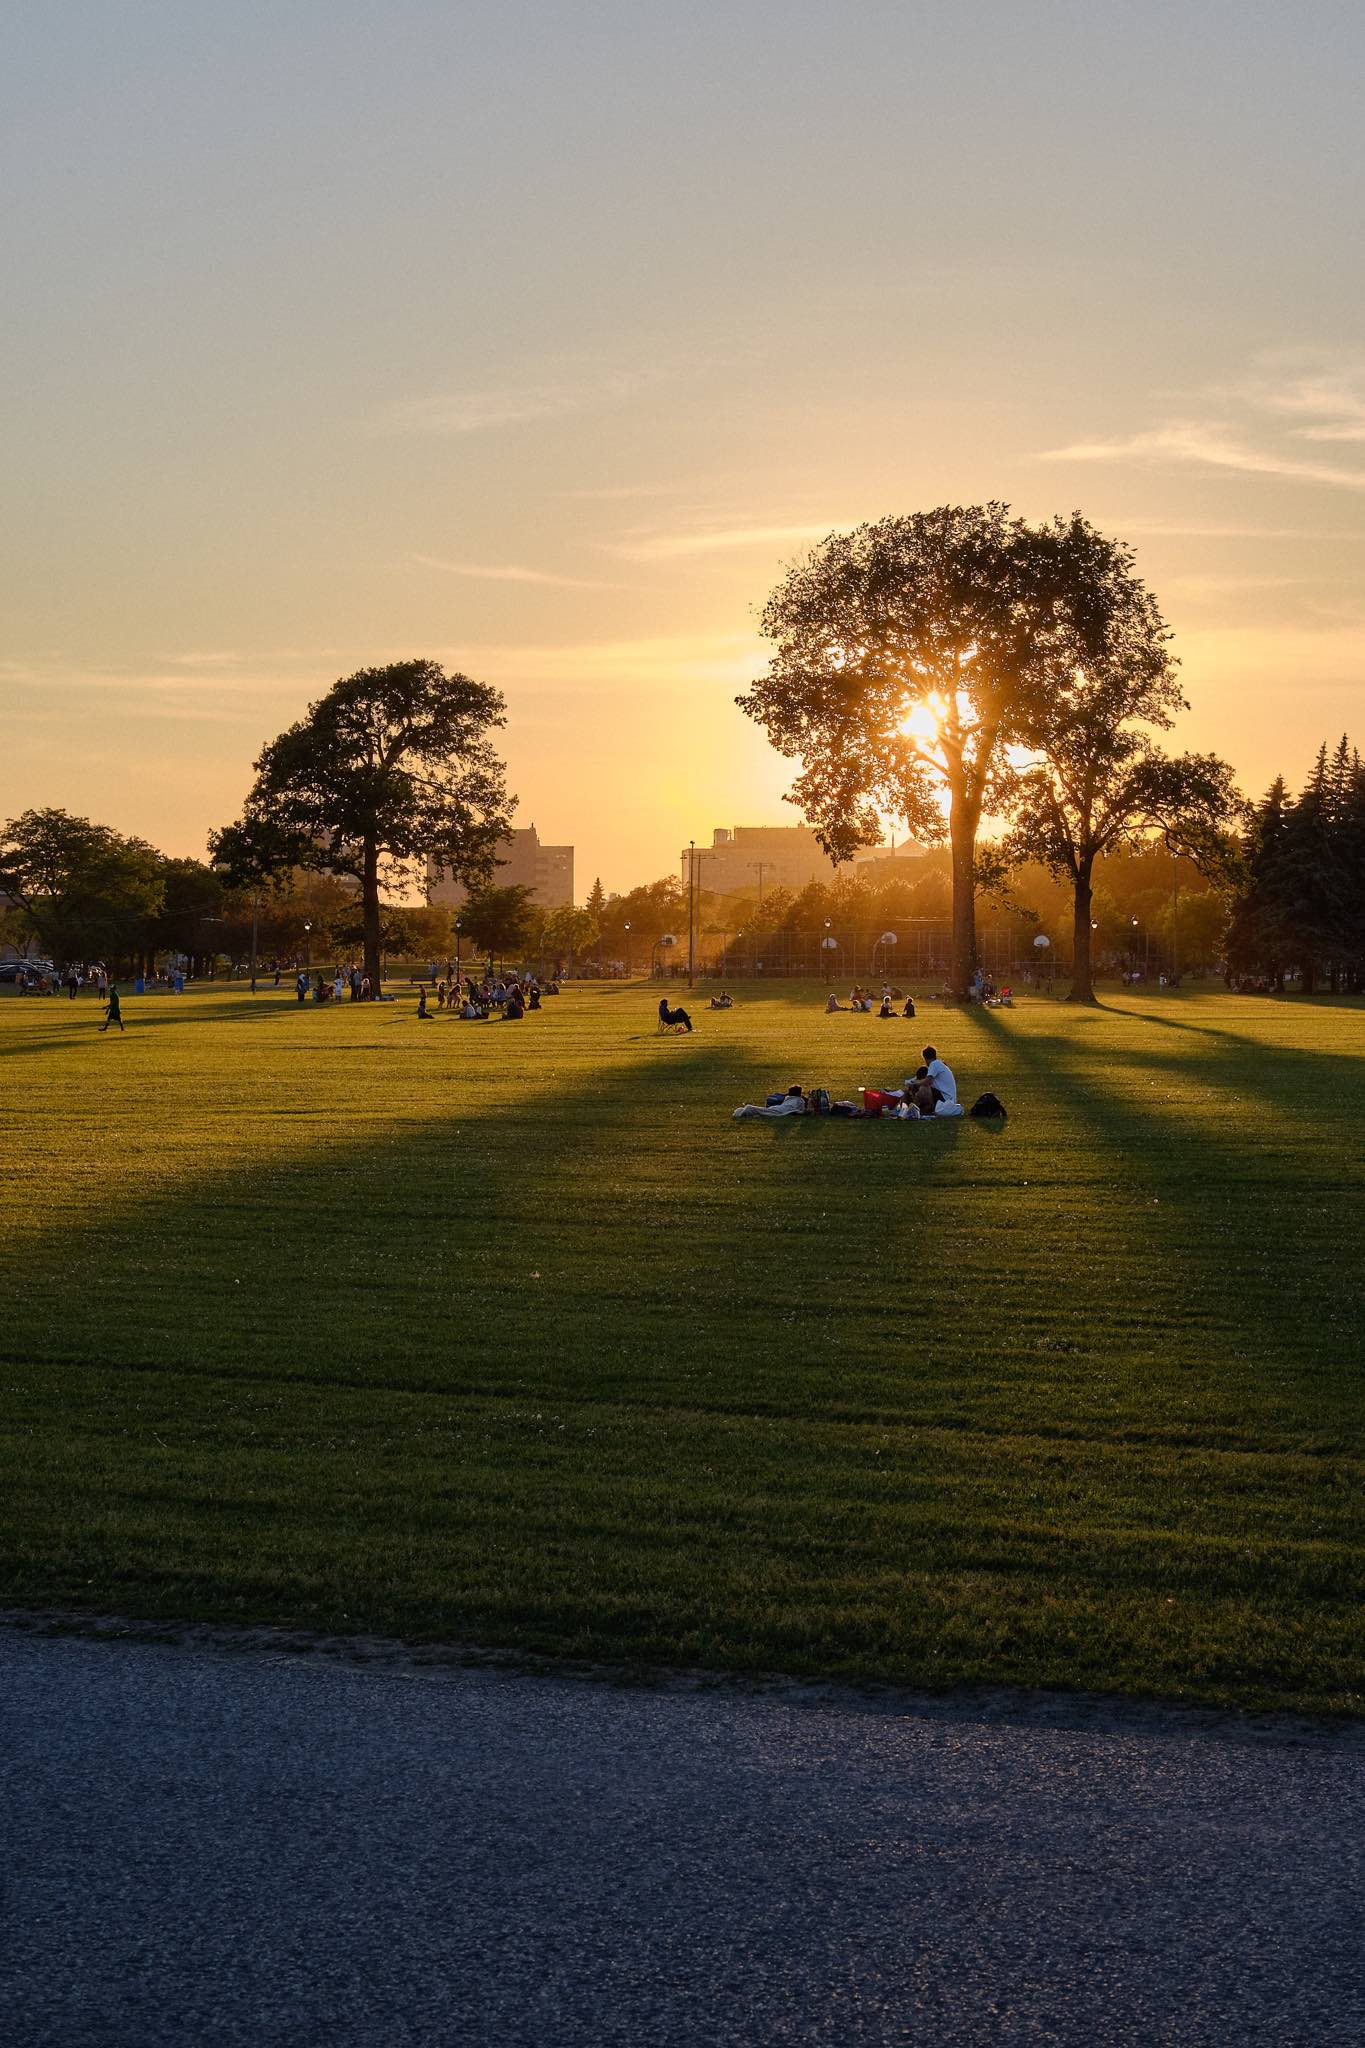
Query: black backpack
[{"x": 988, "y": 1105}]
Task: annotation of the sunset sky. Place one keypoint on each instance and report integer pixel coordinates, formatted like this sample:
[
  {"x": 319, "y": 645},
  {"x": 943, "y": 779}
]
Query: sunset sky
[{"x": 537, "y": 337}]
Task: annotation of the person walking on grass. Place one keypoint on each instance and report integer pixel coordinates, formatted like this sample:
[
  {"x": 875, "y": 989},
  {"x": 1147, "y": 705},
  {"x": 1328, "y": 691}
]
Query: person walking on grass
[{"x": 112, "y": 1012}]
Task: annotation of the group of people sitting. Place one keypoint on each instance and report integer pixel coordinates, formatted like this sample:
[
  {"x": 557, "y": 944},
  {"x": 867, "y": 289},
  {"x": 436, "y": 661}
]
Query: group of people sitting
[
  {"x": 863, "y": 999},
  {"x": 476, "y": 1001},
  {"x": 930, "y": 1091}
]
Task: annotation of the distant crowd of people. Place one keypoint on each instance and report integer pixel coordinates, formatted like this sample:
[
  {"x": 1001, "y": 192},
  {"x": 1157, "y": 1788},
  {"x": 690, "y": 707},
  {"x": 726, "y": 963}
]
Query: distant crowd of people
[
  {"x": 461, "y": 995},
  {"x": 860, "y": 998},
  {"x": 475, "y": 1002},
  {"x": 898, "y": 1002}
]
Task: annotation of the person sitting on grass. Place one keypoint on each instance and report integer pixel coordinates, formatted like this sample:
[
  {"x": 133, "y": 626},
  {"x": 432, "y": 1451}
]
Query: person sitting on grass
[
  {"x": 422, "y": 1010},
  {"x": 940, "y": 1074},
  {"x": 722, "y": 1001},
  {"x": 533, "y": 1000},
  {"x": 919, "y": 1092},
  {"x": 886, "y": 1009},
  {"x": 513, "y": 1010},
  {"x": 673, "y": 1019},
  {"x": 909, "y": 1009}
]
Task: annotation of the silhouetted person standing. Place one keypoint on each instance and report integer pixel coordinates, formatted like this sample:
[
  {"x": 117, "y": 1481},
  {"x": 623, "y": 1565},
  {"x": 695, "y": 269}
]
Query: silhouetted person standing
[{"x": 112, "y": 1013}]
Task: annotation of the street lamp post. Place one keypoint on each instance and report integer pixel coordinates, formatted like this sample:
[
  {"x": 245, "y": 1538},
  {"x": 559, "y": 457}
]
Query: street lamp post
[
  {"x": 627, "y": 949},
  {"x": 255, "y": 907},
  {"x": 307, "y": 942},
  {"x": 691, "y": 910},
  {"x": 457, "y": 952}
]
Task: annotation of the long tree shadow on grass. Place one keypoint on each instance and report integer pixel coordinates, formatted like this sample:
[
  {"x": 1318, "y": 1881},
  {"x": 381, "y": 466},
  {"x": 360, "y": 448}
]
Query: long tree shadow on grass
[
  {"x": 1221, "y": 1033},
  {"x": 86, "y": 1025},
  {"x": 590, "y": 1371},
  {"x": 1232, "y": 1209}
]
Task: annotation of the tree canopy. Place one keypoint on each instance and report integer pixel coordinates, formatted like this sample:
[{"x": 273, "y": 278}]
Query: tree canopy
[
  {"x": 911, "y": 651},
  {"x": 83, "y": 889},
  {"x": 392, "y": 768},
  {"x": 1099, "y": 777},
  {"x": 1303, "y": 901},
  {"x": 498, "y": 920}
]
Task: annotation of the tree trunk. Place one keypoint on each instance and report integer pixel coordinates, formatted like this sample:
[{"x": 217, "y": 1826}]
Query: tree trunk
[
  {"x": 369, "y": 888},
  {"x": 962, "y": 823},
  {"x": 1082, "y": 976}
]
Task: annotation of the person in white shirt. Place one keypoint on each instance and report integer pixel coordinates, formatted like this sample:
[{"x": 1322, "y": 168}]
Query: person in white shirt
[{"x": 942, "y": 1081}]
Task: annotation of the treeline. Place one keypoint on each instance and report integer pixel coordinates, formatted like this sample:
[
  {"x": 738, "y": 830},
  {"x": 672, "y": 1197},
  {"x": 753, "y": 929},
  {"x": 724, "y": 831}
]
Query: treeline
[
  {"x": 83, "y": 892},
  {"x": 1284, "y": 904},
  {"x": 1300, "y": 909}
]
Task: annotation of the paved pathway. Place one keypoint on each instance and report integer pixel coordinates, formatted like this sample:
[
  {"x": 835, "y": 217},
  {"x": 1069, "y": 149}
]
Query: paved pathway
[{"x": 207, "y": 1849}]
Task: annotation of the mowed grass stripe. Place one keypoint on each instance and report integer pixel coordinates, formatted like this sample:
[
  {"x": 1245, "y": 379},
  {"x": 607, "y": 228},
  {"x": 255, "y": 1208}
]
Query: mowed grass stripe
[{"x": 449, "y": 1330}]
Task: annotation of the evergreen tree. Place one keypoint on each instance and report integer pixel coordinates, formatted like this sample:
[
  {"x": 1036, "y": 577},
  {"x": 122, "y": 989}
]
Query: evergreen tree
[{"x": 1302, "y": 903}]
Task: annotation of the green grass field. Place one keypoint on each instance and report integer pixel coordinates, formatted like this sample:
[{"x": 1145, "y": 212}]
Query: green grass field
[{"x": 513, "y": 1337}]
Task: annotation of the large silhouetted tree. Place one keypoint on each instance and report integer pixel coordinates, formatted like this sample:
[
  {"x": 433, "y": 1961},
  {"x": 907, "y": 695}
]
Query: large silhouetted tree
[
  {"x": 391, "y": 768},
  {"x": 911, "y": 651},
  {"x": 1099, "y": 777}
]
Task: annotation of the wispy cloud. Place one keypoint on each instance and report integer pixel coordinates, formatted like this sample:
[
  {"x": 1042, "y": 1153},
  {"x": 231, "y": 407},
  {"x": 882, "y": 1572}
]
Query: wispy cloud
[
  {"x": 508, "y": 405},
  {"x": 1307, "y": 400},
  {"x": 660, "y": 547},
  {"x": 1222, "y": 586},
  {"x": 512, "y": 572},
  {"x": 1328, "y": 399},
  {"x": 666, "y": 661},
  {"x": 1210, "y": 444},
  {"x": 154, "y": 680},
  {"x": 1184, "y": 529},
  {"x": 612, "y": 491}
]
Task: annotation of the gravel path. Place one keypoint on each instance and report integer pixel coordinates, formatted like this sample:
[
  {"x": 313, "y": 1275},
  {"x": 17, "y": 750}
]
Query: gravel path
[{"x": 207, "y": 1849}]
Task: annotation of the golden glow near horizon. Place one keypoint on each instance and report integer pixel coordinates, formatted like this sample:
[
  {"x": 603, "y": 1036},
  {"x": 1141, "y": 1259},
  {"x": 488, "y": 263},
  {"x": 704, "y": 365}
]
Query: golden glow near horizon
[{"x": 542, "y": 353}]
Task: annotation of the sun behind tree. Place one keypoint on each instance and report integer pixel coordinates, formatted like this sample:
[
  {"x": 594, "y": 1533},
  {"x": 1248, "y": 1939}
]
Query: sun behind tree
[{"x": 913, "y": 653}]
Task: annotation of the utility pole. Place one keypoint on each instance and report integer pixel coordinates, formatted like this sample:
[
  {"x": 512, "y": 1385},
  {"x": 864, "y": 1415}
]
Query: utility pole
[
  {"x": 1175, "y": 918},
  {"x": 761, "y": 866},
  {"x": 255, "y": 906}
]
